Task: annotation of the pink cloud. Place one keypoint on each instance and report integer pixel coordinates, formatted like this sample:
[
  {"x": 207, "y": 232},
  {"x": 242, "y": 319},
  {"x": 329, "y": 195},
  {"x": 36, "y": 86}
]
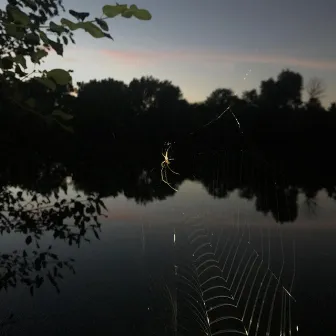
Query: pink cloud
[{"x": 150, "y": 56}]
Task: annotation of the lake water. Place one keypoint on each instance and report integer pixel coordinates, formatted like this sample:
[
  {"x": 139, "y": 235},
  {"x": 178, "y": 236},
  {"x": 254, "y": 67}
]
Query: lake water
[{"x": 190, "y": 264}]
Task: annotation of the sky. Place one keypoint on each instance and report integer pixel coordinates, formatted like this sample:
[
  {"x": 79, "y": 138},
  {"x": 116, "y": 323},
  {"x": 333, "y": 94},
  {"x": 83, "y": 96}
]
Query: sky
[{"x": 204, "y": 45}]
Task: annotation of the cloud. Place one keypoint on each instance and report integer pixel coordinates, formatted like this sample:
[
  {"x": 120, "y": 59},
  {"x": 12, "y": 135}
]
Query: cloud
[{"x": 148, "y": 57}]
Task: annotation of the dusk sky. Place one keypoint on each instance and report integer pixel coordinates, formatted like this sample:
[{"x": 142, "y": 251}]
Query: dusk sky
[{"x": 203, "y": 45}]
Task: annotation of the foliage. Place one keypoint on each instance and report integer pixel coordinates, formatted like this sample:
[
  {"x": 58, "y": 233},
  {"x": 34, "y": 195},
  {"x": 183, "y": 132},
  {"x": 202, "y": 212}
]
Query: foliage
[
  {"x": 315, "y": 88},
  {"x": 34, "y": 215},
  {"x": 26, "y": 34}
]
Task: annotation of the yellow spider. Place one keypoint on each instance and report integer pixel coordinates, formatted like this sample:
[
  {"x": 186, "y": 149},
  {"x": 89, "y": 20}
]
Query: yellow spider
[{"x": 164, "y": 165}]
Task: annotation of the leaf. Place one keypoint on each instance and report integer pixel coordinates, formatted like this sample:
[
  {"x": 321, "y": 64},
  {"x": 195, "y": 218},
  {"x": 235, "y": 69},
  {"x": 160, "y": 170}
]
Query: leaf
[
  {"x": 31, "y": 102},
  {"x": 31, "y": 4},
  {"x": 127, "y": 14},
  {"x": 71, "y": 25},
  {"x": 60, "y": 76},
  {"x": 102, "y": 24},
  {"x": 32, "y": 38},
  {"x": 58, "y": 47},
  {"x": 67, "y": 128},
  {"x": 98, "y": 208},
  {"x": 54, "y": 256},
  {"x": 29, "y": 240},
  {"x": 93, "y": 30},
  {"x": 79, "y": 15},
  {"x": 21, "y": 60},
  {"x": 37, "y": 264},
  {"x": 47, "y": 82},
  {"x": 6, "y": 63},
  {"x": 65, "y": 40},
  {"x": 39, "y": 282},
  {"x": 38, "y": 55},
  {"x": 19, "y": 16},
  {"x": 112, "y": 11},
  {"x": 95, "y": 233},
  {"x": 142, "y": 14},
  {"x": 63, "y": 115},
  {"x": 102, "y": 204},
  {"x": 19, "y": 71},
  {"x": 56, "y": 28},
  {"x": 11, "y": 29},
  {"x": 53, "y": 282},
  {"x": 108, "y": 36},
  {"x": 44, "y": 37}
]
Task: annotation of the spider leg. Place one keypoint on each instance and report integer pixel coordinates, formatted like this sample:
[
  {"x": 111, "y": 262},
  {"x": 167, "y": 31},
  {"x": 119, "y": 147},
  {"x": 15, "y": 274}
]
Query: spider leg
[
  {"x": 164, "y": 178},
  {"x": 162, "y": 168},
  {"x": 172, "y": 170}
]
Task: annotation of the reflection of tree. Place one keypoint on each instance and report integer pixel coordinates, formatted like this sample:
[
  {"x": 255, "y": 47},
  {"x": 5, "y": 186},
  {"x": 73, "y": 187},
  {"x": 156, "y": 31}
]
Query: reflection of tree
[
  {"x": 119, "y": 133},
  {"x": 35, "y": 215}
]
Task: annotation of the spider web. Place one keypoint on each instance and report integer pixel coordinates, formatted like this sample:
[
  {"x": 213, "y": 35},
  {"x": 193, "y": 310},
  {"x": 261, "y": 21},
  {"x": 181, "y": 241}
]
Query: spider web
[
  {"x": 233, "y": 277},
  {"x": 229, "y": 285}
]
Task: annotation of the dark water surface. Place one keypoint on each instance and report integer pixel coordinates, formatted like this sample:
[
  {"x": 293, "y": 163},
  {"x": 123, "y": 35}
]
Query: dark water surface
[{"x": 191, "y": 264}]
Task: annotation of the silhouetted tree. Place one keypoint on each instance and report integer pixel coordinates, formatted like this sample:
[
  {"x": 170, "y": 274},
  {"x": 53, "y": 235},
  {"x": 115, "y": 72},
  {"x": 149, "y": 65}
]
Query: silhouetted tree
[
  {"x": 332, "y": 108},
  {"x": 251, "y": 96},
  {"x": 285, "y": 92},
  {"x": 315, "y": 88}
]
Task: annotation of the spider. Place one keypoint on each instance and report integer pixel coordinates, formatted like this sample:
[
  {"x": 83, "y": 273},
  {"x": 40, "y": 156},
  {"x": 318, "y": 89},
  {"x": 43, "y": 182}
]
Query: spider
[{"x": 164, "y": 165}]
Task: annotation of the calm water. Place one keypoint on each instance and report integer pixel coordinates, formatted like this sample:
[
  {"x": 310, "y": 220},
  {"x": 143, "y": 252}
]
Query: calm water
[{"x": 156, "y": 265}]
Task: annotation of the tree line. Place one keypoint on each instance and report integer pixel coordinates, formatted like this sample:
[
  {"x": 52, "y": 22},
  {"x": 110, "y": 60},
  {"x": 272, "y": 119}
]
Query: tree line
[{"x": 118, "y": 133}]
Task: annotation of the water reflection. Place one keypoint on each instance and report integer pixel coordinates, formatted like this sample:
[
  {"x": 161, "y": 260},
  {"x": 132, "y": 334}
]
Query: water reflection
[{"x": 146, "y": 274}]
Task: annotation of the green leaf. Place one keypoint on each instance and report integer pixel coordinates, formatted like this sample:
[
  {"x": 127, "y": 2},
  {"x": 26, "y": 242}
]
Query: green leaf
[
  {"x": 6, "y": 63},
  {"x": 58, "y": 47},
  {"x": 93, "y": 30},
  {"x": 17, "y": 96},
  {"x": 67, "y": 128},
  {"x": 102, "y": 24},
  {"x": 19, "y": 71},
  {"x": 112, "y": 11},
  {"x": 127, "y": 14},
  {"x": 60, "y": 76},
  {"x": 56, "y": 28},
  {"x": 19, "y": 16},
  {"x": 32, "y": 38},
  {"x": 142, "y": 14},
  {"x": 79, "y": 15},
  {"x": 38, "y": 55},
  {"x": 44, "y": 37},
  {"x": 31, "y": 4},
  {"x": 65, "y": 40},
  {"x": 47, "y": 82},
  {"x": 21, "y": 60},
  {"x": 108, "y": 36},
  {"x": 31, "y": 102},
  {"x": 71, "y": 25},
  {"x": 61, "y": 114},
  {"x": 10, "y": 29}
]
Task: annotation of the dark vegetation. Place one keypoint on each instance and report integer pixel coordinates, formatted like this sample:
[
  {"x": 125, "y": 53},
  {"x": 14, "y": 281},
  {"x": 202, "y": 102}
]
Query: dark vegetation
[
  {"x": 118, "y": 133},
  {"x": 269, "y": 144}
]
